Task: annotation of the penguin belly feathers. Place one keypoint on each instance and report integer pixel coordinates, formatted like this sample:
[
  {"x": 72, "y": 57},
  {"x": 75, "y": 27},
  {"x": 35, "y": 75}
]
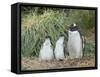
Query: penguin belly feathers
[
  {"x": 59, "y": 49},
  {"x": 46, "y": 51},
  {"x": 74, "y": 44}
]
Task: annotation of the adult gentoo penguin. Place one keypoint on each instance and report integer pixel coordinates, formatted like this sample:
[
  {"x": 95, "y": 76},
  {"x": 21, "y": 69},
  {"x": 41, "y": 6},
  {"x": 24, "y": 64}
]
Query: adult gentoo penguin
[
  {"x": 75, "y": 42},
  {"x": 46, "y": 51},
  {"x": 59, "y": 49}
]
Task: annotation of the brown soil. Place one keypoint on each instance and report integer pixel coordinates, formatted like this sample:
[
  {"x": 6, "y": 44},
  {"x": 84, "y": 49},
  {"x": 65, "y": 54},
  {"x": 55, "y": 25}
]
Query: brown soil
[{"x": 35, "y": 64}]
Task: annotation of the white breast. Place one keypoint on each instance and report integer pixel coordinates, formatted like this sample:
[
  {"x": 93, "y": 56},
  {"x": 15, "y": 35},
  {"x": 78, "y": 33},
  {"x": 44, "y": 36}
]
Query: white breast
[
  {"x": 74, "y": 45},
  {"x": 59, "y": 49},
  {"x": 46, "y": 51}
]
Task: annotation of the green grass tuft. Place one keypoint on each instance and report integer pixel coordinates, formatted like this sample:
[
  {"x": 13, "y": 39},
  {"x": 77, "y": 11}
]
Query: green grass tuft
[{"x": 37, "y": 23}]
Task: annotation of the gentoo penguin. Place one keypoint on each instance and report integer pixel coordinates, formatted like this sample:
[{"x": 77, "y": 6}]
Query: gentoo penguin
[
  {"x": 75, "y": 40},
  {"x": 59, "y": 49},
  {"x": 46, "y": 51}
]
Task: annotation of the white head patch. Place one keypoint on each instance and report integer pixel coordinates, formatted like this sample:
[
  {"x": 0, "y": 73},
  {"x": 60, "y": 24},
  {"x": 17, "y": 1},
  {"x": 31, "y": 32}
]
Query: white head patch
[{"x": 74, "y": 24}]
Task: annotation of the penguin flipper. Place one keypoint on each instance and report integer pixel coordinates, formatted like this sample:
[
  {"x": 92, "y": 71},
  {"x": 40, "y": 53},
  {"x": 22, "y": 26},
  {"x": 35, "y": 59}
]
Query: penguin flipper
[{"x": 83, "y": 41}]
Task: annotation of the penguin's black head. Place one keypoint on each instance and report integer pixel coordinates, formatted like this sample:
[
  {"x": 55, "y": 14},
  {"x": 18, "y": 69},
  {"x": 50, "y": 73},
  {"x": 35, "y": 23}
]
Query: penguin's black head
[
  {"x": 48, "y": 37},
  {"x": 73, "y": 27}
]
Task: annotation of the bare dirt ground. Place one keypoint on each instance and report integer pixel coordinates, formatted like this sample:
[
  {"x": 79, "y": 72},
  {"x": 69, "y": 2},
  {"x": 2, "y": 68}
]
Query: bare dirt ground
[{"x": 35, "y": 64}]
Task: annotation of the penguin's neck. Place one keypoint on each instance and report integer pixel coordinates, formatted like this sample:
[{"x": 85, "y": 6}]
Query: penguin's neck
[{"x": 73, "y": 33}]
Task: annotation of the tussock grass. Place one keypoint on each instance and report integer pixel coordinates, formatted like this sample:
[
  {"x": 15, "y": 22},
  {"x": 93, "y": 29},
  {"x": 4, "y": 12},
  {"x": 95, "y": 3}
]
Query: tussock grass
[{"x": 38, "y": 23}]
